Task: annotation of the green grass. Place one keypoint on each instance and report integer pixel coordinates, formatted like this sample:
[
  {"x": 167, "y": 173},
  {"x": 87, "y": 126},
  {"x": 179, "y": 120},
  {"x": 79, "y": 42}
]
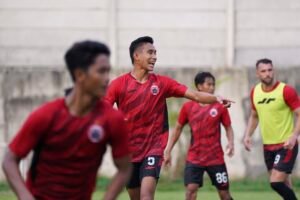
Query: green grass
[
  {"x": 179, "y": 195},
  {"x": 174, "y": 190}
]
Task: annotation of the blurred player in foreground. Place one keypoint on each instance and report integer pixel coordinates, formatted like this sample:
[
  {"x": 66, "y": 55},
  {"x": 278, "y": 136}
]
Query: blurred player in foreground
[
  {"x": 141, "y": 96},
  {"x": 205, "y": 153},
  {"x": 69, "y": 135},
  {"x": 273, "y": 106}
]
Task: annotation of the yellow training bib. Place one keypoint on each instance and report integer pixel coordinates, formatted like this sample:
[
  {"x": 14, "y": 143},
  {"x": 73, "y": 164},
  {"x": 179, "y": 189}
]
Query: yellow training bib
[{"x": 276, "y": 119}]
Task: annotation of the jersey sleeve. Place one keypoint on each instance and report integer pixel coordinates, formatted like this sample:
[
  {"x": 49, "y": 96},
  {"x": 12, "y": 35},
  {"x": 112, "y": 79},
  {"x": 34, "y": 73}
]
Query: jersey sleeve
[
  {"x": 252, "y": 99},
  {"x": 119, "y": 135},
  {"x": 30, "y": 133},
  {"x": 225, "y": 118},
  {"x": 291, "y": 97},
  {"x": 174, "y": 89},
  {"x": 183, "y": 115},
  {"x": 112, "y": 92}
]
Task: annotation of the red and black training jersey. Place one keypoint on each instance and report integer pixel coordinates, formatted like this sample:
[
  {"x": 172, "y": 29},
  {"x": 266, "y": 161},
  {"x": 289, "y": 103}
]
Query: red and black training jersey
[
  {"x": 68, "y": 150},
  {"x": 205, "y": 123},
  {"x": 145, "y": 109}
]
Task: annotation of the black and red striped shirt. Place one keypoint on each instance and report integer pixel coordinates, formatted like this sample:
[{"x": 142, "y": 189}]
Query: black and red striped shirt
[
  {"x": 145, "y": 109},
  {"x": 205, "y": 123},
  {"x": 68, "y": 150}
]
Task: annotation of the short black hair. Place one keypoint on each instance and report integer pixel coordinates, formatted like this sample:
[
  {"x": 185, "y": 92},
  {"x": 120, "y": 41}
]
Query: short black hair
[
  {"x": 264, "y": 61},
  {"x": 137, "y": 43},
  {"x": 82, "y": 54},
  {"x": 201, "y": 76}
]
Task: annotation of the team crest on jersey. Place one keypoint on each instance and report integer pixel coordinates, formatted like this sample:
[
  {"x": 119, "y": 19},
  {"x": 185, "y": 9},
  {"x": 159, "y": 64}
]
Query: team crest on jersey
[
  {"x": 95, "y": 133},
  {"x": 154, "y": 89},
  {"x": 213, "y": 112}
]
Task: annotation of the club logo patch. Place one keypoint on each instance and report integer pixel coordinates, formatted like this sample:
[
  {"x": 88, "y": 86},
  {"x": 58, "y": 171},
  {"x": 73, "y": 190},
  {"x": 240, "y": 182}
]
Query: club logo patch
[
  {"x": 213, "y": 112},
  {"x": 95, "y": 133},
  {"x": 154, "y": 89}
]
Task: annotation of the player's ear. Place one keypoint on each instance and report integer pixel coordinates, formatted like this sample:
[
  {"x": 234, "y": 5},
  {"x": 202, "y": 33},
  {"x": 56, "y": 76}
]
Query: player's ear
[
  {"x": 135, "y": 56},
  {"x": 79, "y": 75},
  {"x": 138, "y": 52},
  {"x": 199, "y": 87},
  {"x": 257, "y": 73}
]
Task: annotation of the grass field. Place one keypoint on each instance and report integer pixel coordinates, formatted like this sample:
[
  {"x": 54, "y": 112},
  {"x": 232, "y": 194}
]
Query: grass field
[
  {"x": 173, "y": 190},
  {"x": 179, "y": 195}
]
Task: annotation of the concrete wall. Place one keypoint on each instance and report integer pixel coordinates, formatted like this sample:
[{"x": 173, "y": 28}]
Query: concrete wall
[
  {"x": 187, "y": 33},
  {"x": 22, "y": 90},
  {"x": 268, "y": 28},
  {"x": 36, "y": 33}
]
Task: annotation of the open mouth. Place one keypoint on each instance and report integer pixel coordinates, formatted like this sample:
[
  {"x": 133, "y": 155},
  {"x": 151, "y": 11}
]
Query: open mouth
[{"x": 152, "y": 63}]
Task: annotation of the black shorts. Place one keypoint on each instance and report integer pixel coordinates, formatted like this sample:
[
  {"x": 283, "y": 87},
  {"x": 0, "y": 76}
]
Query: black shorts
[
  {"x": 150, "y": 166},
  {"x": 218, "y": 175},
  {"x": 282, "y": 159}
]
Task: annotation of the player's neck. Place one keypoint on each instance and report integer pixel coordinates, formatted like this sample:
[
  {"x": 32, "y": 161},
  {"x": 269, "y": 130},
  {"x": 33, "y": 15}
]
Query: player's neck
[
  {"x": 140, "y": 75},
  {"x": 80, "y": 103},
  {"x": 269, "y": 87}
]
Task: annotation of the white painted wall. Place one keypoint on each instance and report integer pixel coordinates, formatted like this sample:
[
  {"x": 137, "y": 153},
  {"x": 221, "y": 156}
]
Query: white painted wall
[
  {"x": 268, "y": 28},
  {"x": 190, "y": 33},
  {"x": 36, "y": 33}
]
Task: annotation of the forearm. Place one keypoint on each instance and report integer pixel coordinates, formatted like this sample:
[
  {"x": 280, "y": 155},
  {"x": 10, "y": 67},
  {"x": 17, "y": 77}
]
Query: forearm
[
  {"x": 201, "y": 97},
  {"x": 205, "y": 98},
  {"x": 296, "y": 131},
  {"x": 117, "y": 184},
  {"x": 11, "y": 170},
  {"x": 120, "y": 179},
  {"x": 251, "y": 126},
  {"x": 174, "y": 136},
  {"x": 230, "y": 135}
]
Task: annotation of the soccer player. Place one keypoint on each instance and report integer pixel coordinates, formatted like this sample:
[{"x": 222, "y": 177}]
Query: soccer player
[
  {"x": 205, "y": 153},
  {"x": 141, "y": 96},
  {"x": 69, "y": 135},
  {"x": 273, "y": 106}
]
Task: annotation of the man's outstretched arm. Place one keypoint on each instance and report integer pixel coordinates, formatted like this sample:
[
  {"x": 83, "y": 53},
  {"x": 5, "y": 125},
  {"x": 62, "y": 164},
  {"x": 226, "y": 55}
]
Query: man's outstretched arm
[{"x": 206, "y": 98}]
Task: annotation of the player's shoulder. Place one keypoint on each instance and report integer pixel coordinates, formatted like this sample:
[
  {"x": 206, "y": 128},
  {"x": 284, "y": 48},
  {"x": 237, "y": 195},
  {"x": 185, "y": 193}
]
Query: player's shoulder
[
  {"x": 47, "y": 110},
  {"x": 255, "y": 87},
  {"x": 189, "y": 104},
  {"x": 288, "y": 87},
  {"x": 121, "y": 78},
  {"x": 161, "y": 77},
  {"x": 52, "y": 105},
  {"x": 109, "y": 110},
  {"x": 290, "y": 92}
]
